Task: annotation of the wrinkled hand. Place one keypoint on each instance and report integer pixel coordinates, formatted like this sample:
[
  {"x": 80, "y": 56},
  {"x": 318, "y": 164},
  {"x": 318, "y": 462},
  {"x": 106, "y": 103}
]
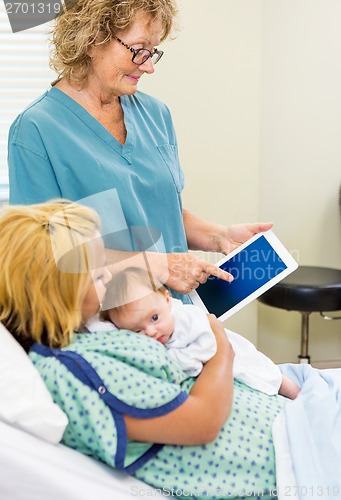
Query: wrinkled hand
[
  {"x": 184, "y": 272},
  {"x": 239, "y": 233},
  {"x": 187, "y": 272}
]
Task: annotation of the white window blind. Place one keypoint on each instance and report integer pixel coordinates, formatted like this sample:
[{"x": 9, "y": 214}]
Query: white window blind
[{"x": 24, "y": 75}]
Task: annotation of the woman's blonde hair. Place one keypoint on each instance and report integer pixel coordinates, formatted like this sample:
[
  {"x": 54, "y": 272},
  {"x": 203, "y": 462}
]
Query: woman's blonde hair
[
  {"x": 44, "y": 269},
  {"x": 88, "y": 22}
]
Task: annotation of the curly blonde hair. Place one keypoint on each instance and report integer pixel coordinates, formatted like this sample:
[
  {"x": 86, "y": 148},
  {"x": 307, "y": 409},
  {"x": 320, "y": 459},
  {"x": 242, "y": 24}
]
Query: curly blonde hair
[
  {"x": 89, "y": 22},
  {"x": 41, "y": 293}
]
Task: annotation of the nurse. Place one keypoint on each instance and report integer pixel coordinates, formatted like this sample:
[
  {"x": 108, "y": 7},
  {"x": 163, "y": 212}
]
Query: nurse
[{"x": 94, "y": 133}]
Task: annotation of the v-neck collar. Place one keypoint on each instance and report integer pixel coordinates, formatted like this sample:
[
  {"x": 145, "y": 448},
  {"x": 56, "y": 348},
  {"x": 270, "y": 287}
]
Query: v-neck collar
[{"x": 126, "y": 150}]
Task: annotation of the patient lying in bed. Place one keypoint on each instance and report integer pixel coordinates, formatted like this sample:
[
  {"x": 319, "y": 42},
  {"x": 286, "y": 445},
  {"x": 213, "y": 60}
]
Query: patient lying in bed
[
  {"x": 185, "y": 331},
  {"x": 208, "y": 434}
]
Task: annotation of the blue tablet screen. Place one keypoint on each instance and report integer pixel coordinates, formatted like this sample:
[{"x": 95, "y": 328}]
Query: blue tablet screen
[{"x": 251, "y": 268}]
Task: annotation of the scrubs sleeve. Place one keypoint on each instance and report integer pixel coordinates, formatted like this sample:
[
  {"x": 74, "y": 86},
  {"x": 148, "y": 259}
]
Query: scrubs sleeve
[{"x": 32, "y": 179}]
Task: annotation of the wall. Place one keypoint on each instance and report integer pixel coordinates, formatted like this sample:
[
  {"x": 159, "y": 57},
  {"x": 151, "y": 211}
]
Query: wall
[
  {"x": 210, "y": 79},
  {"x": 301, "y": 155},
  {"x": 254, "y": 88}
]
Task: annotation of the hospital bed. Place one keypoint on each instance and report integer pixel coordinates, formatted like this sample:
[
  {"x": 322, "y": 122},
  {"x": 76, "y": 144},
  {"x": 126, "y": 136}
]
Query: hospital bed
[
  {"x": 33, "y": 469},
  {"x": 34, "y": 465}
]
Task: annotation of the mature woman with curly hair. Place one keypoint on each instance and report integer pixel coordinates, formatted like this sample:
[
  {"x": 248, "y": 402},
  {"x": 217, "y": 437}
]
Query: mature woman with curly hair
[{"x": 93, "y": 131}]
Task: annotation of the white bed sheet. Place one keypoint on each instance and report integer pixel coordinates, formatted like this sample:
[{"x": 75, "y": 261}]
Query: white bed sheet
[
  {"x": 285, "y": 477},
  {"x": 33, "y": 469}
]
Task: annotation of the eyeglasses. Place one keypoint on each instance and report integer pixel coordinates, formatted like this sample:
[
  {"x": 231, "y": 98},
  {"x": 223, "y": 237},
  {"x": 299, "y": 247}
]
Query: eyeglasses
[{"x": 140, "y": 56}]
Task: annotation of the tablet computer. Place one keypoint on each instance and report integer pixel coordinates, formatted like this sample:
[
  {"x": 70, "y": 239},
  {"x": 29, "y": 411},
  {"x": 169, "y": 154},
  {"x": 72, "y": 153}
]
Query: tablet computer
[{"x": 256, "y": 266}]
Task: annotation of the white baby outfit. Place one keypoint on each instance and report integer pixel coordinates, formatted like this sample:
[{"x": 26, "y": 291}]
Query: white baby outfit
[{"x": 193, "y": 343}]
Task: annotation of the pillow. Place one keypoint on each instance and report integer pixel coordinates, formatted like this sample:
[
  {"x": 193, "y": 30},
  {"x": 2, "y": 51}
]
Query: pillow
[{"x": 25, "y": 401}]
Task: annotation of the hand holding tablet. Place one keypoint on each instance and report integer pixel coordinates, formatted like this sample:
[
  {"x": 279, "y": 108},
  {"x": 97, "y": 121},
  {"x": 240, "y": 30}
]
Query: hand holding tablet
[{"x": 256, "y": 265}]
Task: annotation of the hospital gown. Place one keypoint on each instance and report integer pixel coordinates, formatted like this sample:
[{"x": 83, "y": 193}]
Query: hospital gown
[{"x": 144, "y": 380}]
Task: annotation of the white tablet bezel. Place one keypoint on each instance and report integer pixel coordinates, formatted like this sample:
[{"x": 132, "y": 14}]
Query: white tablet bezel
[{"x": 280, "y": 250}]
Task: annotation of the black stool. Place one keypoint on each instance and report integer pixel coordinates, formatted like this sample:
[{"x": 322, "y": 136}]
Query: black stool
[{"x": 308, "y": 289}]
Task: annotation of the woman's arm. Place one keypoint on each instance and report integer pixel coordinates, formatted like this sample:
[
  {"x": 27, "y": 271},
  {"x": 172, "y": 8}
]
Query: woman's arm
[
  {"x": 185, "y": 271},
  {"x": 181, "y": 271},
  {"x": 211, "y": 237},
  {"x": 199, "y": 419}
]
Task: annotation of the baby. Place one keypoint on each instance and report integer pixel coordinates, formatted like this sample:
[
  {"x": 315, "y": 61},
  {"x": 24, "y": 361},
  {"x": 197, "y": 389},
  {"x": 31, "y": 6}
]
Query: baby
[{"x": 185, "y": 331}]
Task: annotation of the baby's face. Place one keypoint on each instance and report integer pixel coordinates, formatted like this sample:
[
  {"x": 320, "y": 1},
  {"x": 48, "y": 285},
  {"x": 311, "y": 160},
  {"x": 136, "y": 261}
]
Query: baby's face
[{"x": 150, "y": 315}]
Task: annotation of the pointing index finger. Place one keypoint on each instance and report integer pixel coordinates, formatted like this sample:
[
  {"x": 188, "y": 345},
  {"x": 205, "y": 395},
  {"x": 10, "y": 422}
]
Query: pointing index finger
[{"x": 212, "y": 270}]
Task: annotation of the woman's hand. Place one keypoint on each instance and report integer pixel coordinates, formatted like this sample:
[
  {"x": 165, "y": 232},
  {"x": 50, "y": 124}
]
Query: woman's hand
[
  {"x": 220, "y": 334},
  {"x": 180, "y": 271},
  {"x": 186, "y": 272},
  {"x": 235, "y": 235},
  {"x": 212, "y": 237},
  {"x": 200, "y": 418}
]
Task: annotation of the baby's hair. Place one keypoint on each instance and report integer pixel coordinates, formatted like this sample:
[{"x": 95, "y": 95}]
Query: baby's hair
[{"x": 120, "y": 289}]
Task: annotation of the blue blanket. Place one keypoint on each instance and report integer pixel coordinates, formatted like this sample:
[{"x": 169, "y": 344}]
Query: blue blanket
[{"x": 313, "y": 423}]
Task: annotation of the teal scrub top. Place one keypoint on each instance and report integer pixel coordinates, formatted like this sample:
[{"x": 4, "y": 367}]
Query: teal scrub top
[{"x": 57, "y": 149}]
